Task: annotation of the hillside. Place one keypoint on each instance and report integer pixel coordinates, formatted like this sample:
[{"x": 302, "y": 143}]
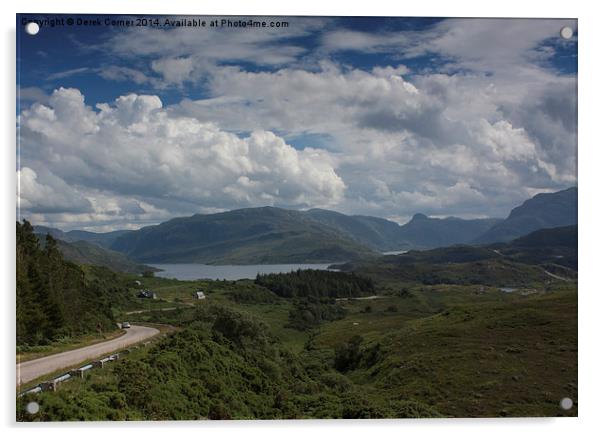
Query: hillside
[
  {"x": 53, "y": 299},
  {"x": 266, "y": 235},
  {"x": 101, "y": 239},
  {"x": 521, "y": 262},
  {"x": 90, "y": 253},
  {"x": 86, "y": 253},
  {"x": 245, "y": 236},
  {"x": 547, "y": 246},
  {"x": 419, "y": 233},
  {"x": 274, "y": 235},
  {"x": 377, "y": 233},
  {"x": 429, "y": 351},
  {"x": 424, "y": 232},
  {"x": 542, "y": 211}
]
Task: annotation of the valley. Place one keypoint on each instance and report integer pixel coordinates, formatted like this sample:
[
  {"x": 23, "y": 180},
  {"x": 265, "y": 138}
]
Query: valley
[{"x": 464, "y": 330}]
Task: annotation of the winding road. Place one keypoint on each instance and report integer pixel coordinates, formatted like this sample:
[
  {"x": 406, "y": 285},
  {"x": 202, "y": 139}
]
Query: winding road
[{"x": 33, "y": 369}]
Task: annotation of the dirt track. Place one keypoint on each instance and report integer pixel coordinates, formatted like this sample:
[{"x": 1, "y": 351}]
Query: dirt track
[{"x": 33, "y": 369}]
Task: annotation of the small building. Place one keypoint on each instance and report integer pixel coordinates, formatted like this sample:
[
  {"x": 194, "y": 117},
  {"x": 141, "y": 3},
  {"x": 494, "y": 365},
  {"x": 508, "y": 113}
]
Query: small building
[
  {"x": 199, "y": 295},
  {"x": 145, "y": 293},
  {"x": 138, "y": 283}
]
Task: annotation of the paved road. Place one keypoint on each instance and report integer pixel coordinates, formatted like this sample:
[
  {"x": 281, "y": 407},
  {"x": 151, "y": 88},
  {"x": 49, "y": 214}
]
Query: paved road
[
  {"x": 33, "y": 369},
  {"x": 556, "y": 277},
  {"x": 162, "y": 309}
]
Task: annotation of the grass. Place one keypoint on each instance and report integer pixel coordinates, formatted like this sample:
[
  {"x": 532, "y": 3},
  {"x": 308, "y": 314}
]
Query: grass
[
  {"x": 94, "y": 380},
  {"x": 35, "y": 352},
  {"x": 493, "y": 358},
  {"x": 163, "y": 329},
  {"x": 464, "y": 350}
]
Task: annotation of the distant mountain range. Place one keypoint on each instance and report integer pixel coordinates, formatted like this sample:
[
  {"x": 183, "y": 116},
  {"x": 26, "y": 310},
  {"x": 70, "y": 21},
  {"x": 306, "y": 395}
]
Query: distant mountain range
[
  {"x": 103, "y": 239},
  {"x": 541, "y": 256},
  {"x": 540, "y": 212},
  {"x": 422, "y": 232},
  {"x": 83, "y": 252},
  {"x": 245, "y": 236},
  {"x": 273, "y": 235},
  {"x": 87, "y": 253}
]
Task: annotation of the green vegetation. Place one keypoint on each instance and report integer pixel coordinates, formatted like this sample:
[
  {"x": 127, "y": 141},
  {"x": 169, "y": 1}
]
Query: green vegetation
[
  {"x": 53, "y": 298},
  {"x": 273, "y": 235},
  {"x": 477, "y": 357},
  {"x": 224, "y": 365},
  {"x": 245, "y": 236},
  {"x": 424, "y": 334},
  {"x": 547, "y": 246},
  {"x": 524, "y": 262},
  {"x": 310, "y": 312},
  {"x": 87, "y": 248},
  {"x": 376, "y": 233},
  {"x": 544, "y": 210},
  {"x": 257, "y": 295},
  {"x": 424, "y": 232},
  {"x": 101, "y": 239},
  {"x": 86, "y": 253},
  {"x": 446, "y": 351},
  {"x": 314, "y": 283},
  {"x": 29, "y": 352}
]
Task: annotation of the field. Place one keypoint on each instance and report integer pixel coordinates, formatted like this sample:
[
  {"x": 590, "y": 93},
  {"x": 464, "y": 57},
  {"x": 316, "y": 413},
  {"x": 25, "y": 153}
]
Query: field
[{"x": 409, "y": 350}]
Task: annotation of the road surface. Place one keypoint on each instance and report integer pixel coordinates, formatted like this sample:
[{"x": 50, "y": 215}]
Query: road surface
[
  {"x": 555, "y": 276},
  {"x": 33, "y": 369},
  {"x": 159, "y": 309}
]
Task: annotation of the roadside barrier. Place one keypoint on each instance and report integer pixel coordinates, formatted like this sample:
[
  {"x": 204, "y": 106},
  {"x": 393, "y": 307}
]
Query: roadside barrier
[{"x": 52, "y": 385}]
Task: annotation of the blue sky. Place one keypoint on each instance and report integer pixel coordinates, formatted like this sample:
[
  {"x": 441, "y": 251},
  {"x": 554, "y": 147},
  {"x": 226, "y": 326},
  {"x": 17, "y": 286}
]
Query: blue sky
[{"x": 121, "y": 127}]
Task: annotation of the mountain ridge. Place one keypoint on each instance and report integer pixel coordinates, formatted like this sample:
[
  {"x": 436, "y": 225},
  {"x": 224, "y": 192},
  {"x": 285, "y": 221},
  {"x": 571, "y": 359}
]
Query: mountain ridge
[
  {"x": 275, "y": 235},
  {"x": 545, "y": 210}
]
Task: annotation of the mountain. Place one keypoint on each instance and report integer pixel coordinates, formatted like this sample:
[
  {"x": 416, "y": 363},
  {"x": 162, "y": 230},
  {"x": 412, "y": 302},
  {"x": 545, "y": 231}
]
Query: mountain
[
  {"x": 86, "y": 253},
  {"x": 273, "y": 235},
  {"x": 55, "y": 233},
  {"x": 101, "y": 239},
  {"x": 556, "y": 246},
  {"x": 83, "y": 252},
  {"x": 419, "y": 233},
  {"x": 54, "y": 300},
  {"x": 377, "y": 233},
  {"x": 245, "y": 236},
  {"x": 534, "y": 258},
  {"x": 542, "y": 211},
  {"x": 422, "y": 232}
]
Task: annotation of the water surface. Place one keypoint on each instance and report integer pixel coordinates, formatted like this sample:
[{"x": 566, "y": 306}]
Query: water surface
[{"x": 195, "y": 271}]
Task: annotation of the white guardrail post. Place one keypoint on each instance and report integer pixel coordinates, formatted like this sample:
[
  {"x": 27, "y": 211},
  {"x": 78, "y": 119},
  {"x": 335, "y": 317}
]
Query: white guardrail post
[{"x": 52, "y": 385}]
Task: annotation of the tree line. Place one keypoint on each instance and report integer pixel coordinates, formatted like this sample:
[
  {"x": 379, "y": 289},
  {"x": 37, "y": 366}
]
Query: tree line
[
  {"x": 316, "y": 283},
  {"x": 54, "y": 299}
]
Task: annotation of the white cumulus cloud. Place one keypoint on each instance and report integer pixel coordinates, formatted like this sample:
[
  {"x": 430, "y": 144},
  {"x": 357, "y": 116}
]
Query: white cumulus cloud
[{"x": 135, "y": 150}]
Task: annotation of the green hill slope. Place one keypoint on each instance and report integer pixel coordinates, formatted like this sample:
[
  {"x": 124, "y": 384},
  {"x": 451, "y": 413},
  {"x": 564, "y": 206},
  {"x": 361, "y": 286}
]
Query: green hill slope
[
  {"x": 245, "y": 236},
  {"x": 521, "y": 262},
  {"x": 53, "y": 298},
  {"x": 85, "y": 253},
  {"x": 542, "y": 211},
  {"x": 377, "y": 233},
  {"x": 93, "y": 252},
  {"x": 425, "y": 232}
]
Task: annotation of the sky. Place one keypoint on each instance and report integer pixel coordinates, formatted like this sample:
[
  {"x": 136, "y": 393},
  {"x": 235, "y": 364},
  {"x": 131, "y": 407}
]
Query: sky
[{"x": 121, "y": 127}]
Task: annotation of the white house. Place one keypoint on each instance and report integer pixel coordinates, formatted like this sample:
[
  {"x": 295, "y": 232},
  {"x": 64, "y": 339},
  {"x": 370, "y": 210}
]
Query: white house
[{"x": 200, "y": 295}]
